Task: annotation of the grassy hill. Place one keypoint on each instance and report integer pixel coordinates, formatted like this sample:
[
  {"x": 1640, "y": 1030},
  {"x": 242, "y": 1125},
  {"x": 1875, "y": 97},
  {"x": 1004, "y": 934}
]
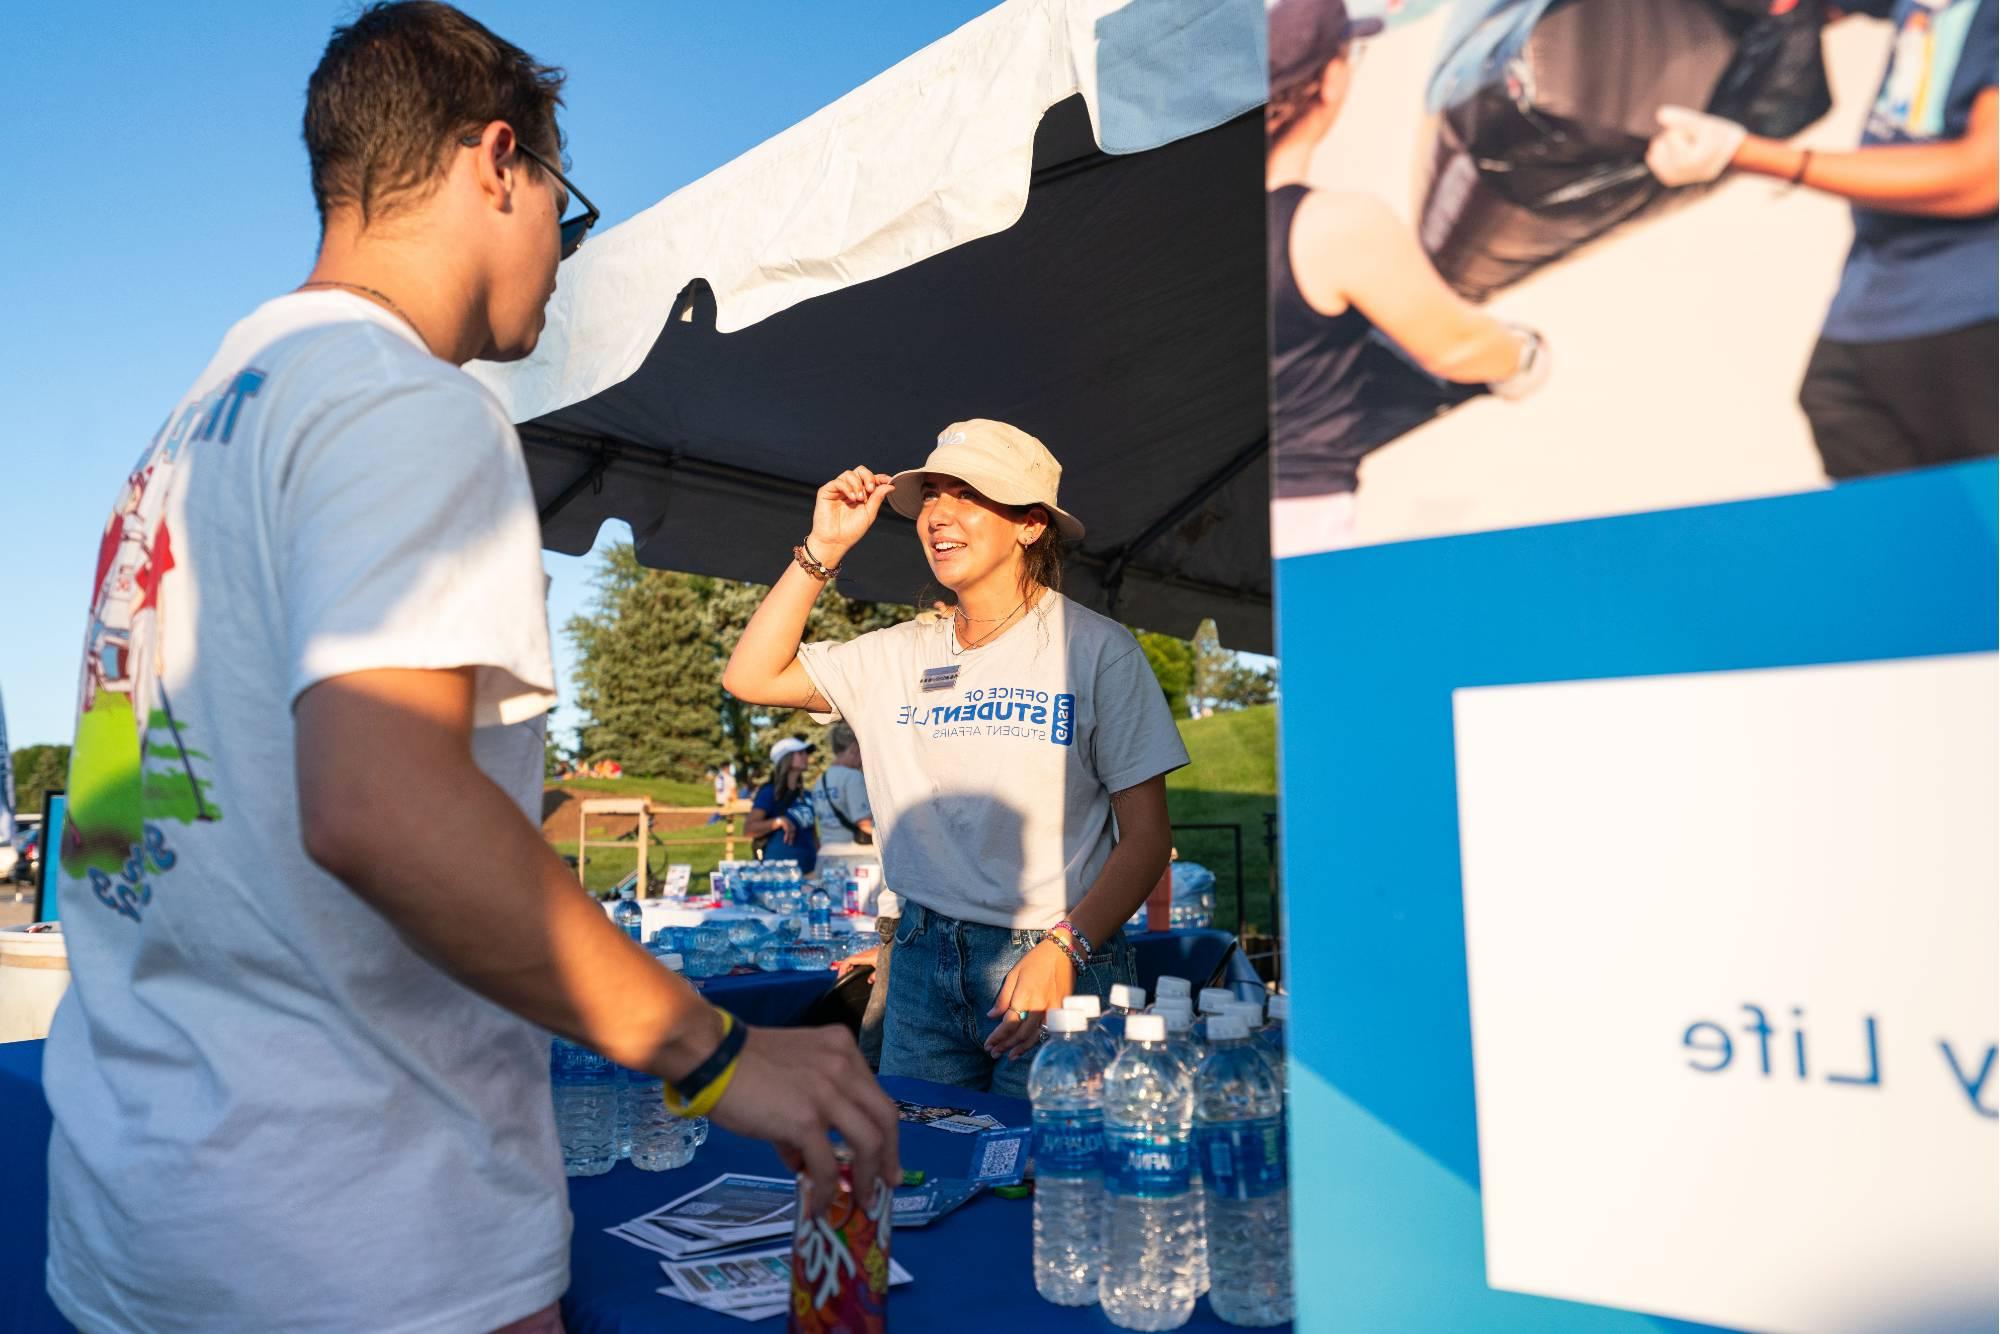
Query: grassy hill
[{"x": 1232, "y": 779}]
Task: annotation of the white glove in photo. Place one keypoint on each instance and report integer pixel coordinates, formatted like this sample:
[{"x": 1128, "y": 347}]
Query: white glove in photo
[{"x": 1692, "y": 147}]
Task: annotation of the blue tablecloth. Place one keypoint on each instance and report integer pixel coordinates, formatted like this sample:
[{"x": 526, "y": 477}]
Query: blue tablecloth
[
  {"x": 973, "y": 1261},
  {"x": 972, "y": 1268},
  {"x": 770, "y": 999}
]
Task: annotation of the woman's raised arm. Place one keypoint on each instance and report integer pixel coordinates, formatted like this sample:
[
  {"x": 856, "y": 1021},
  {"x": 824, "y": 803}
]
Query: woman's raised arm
[{"x": 764, "y": 668}]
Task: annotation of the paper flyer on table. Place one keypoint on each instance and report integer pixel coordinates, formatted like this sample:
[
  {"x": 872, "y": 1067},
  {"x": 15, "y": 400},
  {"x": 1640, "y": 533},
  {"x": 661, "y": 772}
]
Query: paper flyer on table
[{"x": 732, "y": 1210}]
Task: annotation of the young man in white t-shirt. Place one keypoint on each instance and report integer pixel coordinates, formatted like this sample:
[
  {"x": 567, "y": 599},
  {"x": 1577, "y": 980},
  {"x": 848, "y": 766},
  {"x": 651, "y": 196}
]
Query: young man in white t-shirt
[{"x": 300, "y": 1079}]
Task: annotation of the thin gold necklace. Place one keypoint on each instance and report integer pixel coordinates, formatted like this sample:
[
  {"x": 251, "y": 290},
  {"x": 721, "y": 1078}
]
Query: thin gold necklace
[
  {"x": 956, "y": 647},
  {"x": 369, "y": 292}
]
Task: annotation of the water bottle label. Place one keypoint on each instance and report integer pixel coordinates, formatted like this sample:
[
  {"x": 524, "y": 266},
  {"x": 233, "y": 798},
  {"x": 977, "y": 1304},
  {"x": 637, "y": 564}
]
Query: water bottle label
[
  {"x": 1147, "y": 1166},
  {"x": 1069, "y": 1143},
  {"x": 1242, "y": 1160}
]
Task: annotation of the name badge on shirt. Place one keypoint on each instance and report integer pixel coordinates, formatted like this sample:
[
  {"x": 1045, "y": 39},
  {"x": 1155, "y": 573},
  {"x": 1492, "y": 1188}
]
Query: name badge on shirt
[{"x": 939, "y": 678}]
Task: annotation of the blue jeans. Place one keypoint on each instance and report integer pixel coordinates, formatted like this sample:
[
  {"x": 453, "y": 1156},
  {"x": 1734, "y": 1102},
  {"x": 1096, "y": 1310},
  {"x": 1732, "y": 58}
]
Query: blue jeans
[{"x": 948, "y": 974}]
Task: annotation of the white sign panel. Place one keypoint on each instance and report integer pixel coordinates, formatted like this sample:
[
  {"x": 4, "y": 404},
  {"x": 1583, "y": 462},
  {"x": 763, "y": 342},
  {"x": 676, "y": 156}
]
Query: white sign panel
[{"x": 1731, "y": 945}]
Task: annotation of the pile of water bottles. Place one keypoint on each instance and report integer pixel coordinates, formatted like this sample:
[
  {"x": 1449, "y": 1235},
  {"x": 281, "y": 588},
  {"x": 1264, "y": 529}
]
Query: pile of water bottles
[
  {"x": 605, "y": 1112},
  {"x": 806, "y": 922},
  {"x": 1160, "y": 1157}
]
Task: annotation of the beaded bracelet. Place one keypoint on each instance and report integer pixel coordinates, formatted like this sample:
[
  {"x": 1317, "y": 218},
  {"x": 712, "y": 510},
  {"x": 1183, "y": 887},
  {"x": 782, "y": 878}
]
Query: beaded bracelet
[
  {"x": 1069, "y": 952},
  {"x": 1089, "y": 950},
  {"x": 807, "y": 562}
]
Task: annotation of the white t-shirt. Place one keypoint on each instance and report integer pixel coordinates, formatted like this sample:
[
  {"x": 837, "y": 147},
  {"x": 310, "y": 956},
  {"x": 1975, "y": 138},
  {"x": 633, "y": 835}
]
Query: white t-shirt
[
  {"x": 992, "y": 792},
  {"x": 270, "y": 1112}
]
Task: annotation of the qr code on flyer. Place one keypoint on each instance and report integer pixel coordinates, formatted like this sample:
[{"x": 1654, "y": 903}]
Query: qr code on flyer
[{"x": 1000, "y": 1158}]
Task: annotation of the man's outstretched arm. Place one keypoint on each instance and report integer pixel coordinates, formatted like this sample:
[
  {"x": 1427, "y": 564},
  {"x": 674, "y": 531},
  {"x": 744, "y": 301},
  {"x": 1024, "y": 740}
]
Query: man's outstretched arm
[{"x": 393, "y": 805}]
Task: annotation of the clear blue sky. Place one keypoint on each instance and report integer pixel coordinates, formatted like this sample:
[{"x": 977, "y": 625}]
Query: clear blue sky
[{"x": 160, "y": 193}]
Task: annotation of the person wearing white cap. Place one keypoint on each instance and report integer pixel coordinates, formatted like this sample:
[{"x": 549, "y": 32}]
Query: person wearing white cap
[
  {"x": 781, "y": 814},
  {"x": 1002, "y": 735}
]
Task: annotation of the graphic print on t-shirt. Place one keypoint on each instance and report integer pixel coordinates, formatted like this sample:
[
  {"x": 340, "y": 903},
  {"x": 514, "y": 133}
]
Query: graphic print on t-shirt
[
  {"x": 1021, "y": 713},
  {"x": 134, "y": 767},
  {"x": 1930, "y": 43}
]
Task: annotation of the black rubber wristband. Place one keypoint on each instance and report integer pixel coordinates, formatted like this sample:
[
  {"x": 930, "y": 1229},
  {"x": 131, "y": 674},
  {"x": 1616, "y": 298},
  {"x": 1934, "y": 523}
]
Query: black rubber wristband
[{"x": 691, "y": 1085}]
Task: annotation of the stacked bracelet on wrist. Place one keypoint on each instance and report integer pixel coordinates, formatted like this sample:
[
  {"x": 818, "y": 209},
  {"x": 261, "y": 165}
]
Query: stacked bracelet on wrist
[
  {"x": 1079, "y": 961},
  {"x": 1076, "y": 960},
  {"x": 697, "y": 1092},
  {"x": 810, "y": 564}
]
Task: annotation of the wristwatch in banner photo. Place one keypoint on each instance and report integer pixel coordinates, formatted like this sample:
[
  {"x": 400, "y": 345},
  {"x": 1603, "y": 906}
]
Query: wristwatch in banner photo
[{"x": 1531, "y": 370}]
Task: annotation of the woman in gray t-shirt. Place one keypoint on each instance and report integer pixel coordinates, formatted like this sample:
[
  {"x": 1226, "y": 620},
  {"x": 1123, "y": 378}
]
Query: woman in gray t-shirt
[{"x": 1002, "y": 734}]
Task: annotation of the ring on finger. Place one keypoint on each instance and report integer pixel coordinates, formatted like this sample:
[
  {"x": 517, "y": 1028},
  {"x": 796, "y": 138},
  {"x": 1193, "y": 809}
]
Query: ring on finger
[{"x": 1022, "y": 1015}]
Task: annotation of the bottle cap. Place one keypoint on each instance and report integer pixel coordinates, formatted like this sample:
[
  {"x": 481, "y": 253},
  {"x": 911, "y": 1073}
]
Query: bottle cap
[
  {"x": 1067, "y": 1020},
  {"x": 1253, "y": 1013},
  {"x": 1225, "y": 1027},
  {"x": 1175, "y": 1005},
  {"x": 1127, "y": 997},
  {"x": 1214, "y": 998},
  {"x": 1179, "y": 1018},
  {"x": 1084, "y": 1005},
  {"x": 1280, "y": 1007},
  {"x": 629, "y": 892},
  {"x": 1145, "y": 1028},
  {"x": 1172, "y": 986}
]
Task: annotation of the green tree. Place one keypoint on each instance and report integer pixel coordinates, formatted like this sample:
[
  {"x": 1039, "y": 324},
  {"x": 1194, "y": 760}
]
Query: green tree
[
  {"x": 38, "y": 770},
  {"x": 647, "y": 682},
  {"x": 1245, "y": 686},
  {"x": 1172, "y": 661},
  {"x": 1222, "y": 679}
]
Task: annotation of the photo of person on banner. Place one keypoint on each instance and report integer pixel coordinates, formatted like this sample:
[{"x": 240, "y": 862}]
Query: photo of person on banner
[
  {"x": 1367, "y": 341},
  {"x": 1747, "y": 303},
  {"x": 1903, "y": 372}
]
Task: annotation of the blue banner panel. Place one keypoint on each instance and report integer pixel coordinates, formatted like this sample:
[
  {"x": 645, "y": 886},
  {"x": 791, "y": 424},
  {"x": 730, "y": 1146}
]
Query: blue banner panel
[{"x": 1375, "y": 640}]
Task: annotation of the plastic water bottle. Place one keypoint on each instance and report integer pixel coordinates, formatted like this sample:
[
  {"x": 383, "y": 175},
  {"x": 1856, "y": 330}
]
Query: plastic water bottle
[
  {"x": 1125, "y": 1001},
  {"x": 1092, "y": 1009},
  {"x": 1066, "y": 1086},
  {"x": 1181, "y": 1046},
  {"x": 1212, "y": 1001},
  {"x": 627, "y": 914},
  {"x": 660, "y": 1140},
  {"x": 1172, "y": 988},
  {"x": 1149, "y": 1220},
  {"x": 1240, "y": 1142},
  {"x": 1278, "y": 1011},
  {"x": 819, "y": 914},
  {"x": 586, "y": 1096}
]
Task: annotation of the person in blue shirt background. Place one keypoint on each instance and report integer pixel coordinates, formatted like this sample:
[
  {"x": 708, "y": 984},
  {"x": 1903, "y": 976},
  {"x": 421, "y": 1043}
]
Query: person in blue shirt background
[
  {"x": 1904, "y": 372},
  {"x": 782, "y": 811}
]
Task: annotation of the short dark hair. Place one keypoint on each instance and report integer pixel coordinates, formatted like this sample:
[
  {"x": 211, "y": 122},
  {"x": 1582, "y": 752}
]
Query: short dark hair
[{"x": 399, "y": 86}]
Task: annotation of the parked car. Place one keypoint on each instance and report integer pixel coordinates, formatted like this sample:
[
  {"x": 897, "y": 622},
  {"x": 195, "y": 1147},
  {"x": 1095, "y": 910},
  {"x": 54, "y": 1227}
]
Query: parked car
[{"x": 26, "y": 852}]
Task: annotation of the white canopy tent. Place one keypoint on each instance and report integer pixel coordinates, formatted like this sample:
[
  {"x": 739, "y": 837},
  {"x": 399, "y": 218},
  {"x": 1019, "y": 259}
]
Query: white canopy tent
[{"x": 1054, "y": 216}]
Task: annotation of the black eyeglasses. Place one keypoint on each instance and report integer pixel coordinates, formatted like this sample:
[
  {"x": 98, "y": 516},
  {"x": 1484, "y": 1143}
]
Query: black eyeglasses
[{"x": 573, "y": 229}]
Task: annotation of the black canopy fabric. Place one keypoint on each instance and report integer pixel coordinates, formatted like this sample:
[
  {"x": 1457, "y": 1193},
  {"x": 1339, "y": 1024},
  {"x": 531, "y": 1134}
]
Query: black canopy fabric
[{"x": 1121, "y": 320}]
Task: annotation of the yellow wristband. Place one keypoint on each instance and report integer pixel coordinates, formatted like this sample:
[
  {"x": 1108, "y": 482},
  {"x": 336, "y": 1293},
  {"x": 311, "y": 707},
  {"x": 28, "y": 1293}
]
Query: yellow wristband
[
  {"x": 686, "y": 1097},
  {"x": 705, "y": 1103}
]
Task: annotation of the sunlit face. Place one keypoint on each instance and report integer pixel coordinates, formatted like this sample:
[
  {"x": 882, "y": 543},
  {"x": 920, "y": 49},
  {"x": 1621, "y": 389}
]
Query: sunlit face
[
  {"x": 968, "y": 538},
  {"x": 527, "y": 246}
]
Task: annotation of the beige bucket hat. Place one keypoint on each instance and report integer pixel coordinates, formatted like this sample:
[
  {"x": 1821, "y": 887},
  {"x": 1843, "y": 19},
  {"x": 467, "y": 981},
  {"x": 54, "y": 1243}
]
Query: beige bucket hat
[{"x": 1001, "y": 462}]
